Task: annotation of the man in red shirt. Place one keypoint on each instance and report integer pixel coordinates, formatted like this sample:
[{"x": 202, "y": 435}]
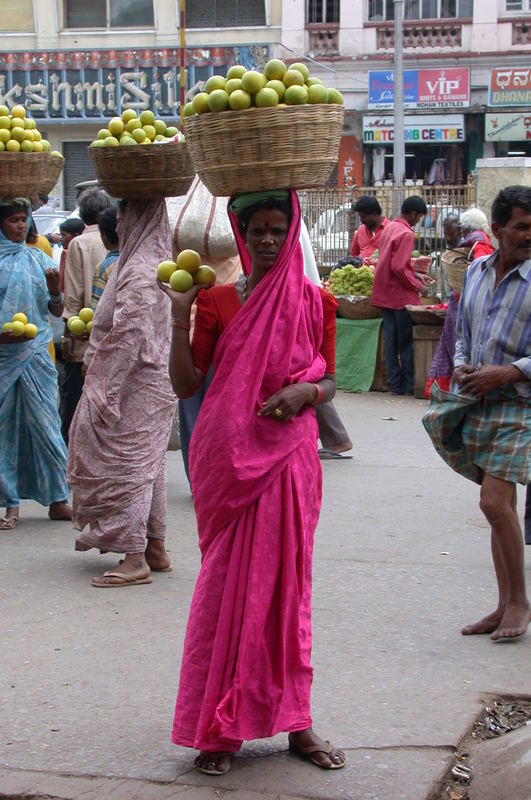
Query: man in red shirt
[
  {"x": 367, "y": 238},
  {"x": 396, "y": 284}
]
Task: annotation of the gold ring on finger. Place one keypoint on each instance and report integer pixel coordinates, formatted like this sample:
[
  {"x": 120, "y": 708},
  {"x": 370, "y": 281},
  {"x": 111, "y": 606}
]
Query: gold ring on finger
[{"x": 278, "y": 412}]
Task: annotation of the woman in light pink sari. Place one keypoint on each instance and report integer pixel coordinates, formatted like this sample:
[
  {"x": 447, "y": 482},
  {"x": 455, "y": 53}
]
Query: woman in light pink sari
[
  {"x": 256, "y": 481},
  {"x": 119, "y": 435}
]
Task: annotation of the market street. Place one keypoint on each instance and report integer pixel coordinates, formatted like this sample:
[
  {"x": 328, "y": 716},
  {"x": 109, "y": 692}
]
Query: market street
[{"x": 402, "y": 561}]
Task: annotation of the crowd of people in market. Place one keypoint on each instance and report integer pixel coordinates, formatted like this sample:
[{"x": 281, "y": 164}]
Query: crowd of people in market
[{"x": 255, "y": 384}]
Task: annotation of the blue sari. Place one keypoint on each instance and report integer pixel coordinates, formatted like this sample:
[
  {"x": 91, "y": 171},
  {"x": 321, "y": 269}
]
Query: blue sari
[{"x": 33, "y": 453}]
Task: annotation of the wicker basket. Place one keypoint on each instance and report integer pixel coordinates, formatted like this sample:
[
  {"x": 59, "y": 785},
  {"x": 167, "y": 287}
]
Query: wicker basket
[
  {"x": 22, "y": 174},
  {"x": 143, "y": 173},
  {"x": 55, "y": 167},
  {"x": 265, "y": 148},
  {"x": 455, "y": 262},
  {"x": 356, "y": 308}
]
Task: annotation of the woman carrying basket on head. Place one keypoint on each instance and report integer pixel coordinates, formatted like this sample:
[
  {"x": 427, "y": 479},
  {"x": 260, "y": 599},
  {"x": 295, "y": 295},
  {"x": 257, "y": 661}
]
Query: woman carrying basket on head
[
  {"x": 33, "y": 460},
  {"x": 256, "y": 481}
]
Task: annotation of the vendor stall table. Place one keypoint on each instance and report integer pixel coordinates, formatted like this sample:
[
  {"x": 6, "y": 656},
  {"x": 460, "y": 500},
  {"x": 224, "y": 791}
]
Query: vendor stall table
[{"x": 359, "y": 355}]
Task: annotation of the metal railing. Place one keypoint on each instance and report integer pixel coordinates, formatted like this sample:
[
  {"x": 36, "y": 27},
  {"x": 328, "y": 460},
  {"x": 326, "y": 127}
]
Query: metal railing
[{"x": 331, "y": 221}]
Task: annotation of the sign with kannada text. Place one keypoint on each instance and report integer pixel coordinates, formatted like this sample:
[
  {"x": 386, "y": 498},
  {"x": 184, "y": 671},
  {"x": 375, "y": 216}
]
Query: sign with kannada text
[
  {"x": 505, "y": 127},
  {"x": 423, "y": 88},
  {"x": 436, "y": 129},
  {"x": 510, "y": 87},
  {"x": 70, "y": 86}
]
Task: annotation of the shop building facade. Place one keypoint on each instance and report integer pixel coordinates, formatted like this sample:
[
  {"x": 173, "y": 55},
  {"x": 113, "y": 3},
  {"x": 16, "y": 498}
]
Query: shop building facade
[{"x": 76, "y": 63}]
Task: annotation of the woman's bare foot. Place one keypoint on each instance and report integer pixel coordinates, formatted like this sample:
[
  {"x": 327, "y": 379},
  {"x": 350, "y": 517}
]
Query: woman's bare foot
[
  {"x": 487, "y": 624},
  {"x": 156, "y": 556},
  {"x": 312, "y": 748},
  {"x": 513, "y": 623},
  {"x": 213, "y": 763},
  {"x": 131, "y": 569},
  {"x": 60, "y": 511}
]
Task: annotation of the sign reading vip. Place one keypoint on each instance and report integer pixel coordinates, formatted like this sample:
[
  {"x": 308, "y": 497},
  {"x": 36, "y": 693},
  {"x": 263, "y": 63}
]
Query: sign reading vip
[{"x": 423, "y": 88}]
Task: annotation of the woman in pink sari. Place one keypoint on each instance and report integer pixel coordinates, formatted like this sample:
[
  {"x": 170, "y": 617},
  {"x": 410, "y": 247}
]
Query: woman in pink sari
[
  {"x": 119, "y": 434},
  {"x": 256, "y": 480}
]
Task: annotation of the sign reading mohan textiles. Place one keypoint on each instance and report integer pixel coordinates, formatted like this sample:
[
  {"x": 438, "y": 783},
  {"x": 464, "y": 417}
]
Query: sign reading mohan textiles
[
  {"x": 68, "y": 85},
  {"x": 510, "y": 87},
  {"x": 448, "y": 129}
]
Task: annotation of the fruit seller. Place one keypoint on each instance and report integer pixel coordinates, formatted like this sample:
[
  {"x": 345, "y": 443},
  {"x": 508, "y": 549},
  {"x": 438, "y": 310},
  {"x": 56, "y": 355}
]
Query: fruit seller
[
  {"x": 482, "y": 426},
  {"x": 84, "y": 253},
  {"x": 120, "y": 431},
  {"x": 33, "y": 456},
  {"x": 366, "y": 240},
  {"x": 396, "y": 285},
  {"x": 256, "y": 481}
]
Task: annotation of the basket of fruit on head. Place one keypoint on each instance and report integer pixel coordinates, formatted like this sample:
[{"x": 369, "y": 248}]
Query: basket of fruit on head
[
  {"x": 140, "y": 157},
  {"x": 55, "y": 167},
  {"x": 24, "y": 154},
  {"x": 253, "y": 131},
  {"x": 351, "y": 285}
]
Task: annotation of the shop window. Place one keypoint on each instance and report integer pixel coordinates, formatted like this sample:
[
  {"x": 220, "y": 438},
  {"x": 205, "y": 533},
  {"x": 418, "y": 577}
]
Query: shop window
[
  {"x": 322, "y": 11},
  {"x": 518, "y": 6},
  {"x": 108, "y": 13},
  {"x": 224, "y": 13},
  {"x": 17, "y": 15},
  {"x": 381, "y": 10}
]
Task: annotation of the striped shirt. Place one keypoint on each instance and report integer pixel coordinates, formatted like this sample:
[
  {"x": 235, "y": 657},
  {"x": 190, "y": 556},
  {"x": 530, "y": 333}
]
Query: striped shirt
[
  {"x": 494, "y": 322},
  {"x": 101, "y": 276}
]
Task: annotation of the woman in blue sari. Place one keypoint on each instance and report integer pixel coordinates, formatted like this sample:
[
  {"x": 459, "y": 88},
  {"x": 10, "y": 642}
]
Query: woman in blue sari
[{"x": 33, "y": 454}]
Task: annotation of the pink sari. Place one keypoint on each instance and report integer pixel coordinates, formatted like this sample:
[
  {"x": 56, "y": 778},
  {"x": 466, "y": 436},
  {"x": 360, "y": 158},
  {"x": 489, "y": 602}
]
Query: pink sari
[{"x": 246, "y": 670}]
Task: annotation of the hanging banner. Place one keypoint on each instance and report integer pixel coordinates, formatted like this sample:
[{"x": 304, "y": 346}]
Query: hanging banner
[
  {"x": 436, "y": 129},
  {"x": 510, "y": 87},
  {"x": 70, "y": 85},
  {"x": 350, "y": 161},
  {"x": 508, "y": 127},
  {"x": 423, "y": 88}
]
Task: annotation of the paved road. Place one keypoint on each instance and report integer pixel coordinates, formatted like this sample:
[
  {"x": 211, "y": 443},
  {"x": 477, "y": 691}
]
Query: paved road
[{"x": 402, "y": 561}]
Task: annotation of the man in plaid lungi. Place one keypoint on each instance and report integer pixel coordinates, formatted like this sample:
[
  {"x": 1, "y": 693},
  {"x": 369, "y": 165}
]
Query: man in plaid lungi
[{"x": 482, "y": 427}]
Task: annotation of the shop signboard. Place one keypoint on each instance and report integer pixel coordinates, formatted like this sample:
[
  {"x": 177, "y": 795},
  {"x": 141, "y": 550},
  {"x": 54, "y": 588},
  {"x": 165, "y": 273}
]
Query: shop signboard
[
  {"x": 423, "y": 88},
  {"x": 505, "y": 127},
  {"x": 418, "y": 129},
  {"x": 510, "y": 86},
  {"x": 70, "y": 86}
]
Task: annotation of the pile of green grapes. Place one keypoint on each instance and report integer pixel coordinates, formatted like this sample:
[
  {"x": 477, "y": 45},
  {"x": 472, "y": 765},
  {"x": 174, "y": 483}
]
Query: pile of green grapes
[{"x": 352, "y": 281}]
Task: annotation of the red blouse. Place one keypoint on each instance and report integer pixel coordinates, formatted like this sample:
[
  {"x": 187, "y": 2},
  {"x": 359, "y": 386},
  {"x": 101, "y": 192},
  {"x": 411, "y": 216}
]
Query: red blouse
[{"x": 216, "y": 308}]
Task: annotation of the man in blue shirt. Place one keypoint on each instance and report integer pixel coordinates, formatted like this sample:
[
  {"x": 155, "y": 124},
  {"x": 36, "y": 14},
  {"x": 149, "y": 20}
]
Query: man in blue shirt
[{"x": 482, "y": 428}]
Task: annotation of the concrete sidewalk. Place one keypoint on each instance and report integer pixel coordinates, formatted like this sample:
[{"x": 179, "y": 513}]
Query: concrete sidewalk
[{"x": 402, "y": 560}]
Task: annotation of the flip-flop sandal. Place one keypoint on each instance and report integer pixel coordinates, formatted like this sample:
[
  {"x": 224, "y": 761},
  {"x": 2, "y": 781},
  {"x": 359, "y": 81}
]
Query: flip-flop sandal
[
  {"x": 8, "y": 523},
  {"x": 325, "y": 453},
  {"x": 126, "y": 581},
  {"x": 307, "y": 752},
  {"x": 214, "y": 771}
]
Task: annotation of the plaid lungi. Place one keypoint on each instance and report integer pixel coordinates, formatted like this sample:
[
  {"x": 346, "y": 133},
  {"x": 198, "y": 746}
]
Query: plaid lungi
[{"x": 490, "y": 435}]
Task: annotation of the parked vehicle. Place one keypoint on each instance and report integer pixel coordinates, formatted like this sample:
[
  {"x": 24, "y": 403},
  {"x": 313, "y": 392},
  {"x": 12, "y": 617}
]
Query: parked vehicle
[{"x": 330, "y": 237}]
